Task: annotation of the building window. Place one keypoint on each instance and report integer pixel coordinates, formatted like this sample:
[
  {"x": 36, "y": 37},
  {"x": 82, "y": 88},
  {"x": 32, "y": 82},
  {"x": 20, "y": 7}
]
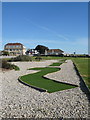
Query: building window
[
  {"x": 10, "y": 46},
  {"x": 6, "y": 46},
  {"x": 17, "y": 46}
]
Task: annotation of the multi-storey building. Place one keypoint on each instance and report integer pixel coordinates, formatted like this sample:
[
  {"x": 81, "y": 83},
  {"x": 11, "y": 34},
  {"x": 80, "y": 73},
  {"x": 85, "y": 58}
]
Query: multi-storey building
[{"x": 15, "y": 48}]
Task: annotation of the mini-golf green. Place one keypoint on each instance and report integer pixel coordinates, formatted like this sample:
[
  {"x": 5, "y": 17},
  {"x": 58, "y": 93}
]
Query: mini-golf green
[
  {"x": 37, "y": 80},
  {"x": 56, "y": 64}
]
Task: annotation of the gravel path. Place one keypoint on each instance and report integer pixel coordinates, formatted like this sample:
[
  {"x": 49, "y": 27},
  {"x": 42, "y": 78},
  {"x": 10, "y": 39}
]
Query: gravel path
[
  {"x": 67, "y": 74},
  {"x": 20, "y": 101}
]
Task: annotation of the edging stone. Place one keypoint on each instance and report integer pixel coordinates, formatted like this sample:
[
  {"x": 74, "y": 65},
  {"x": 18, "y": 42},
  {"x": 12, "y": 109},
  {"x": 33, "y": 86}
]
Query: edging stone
[{"x": 39, "y": 89}]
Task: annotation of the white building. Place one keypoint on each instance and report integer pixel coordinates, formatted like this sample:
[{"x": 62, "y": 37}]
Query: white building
[
  {"x": 15, "y": 48},
  {"x": 32, "y": 52},
  {"x": 54, "y": 52}
]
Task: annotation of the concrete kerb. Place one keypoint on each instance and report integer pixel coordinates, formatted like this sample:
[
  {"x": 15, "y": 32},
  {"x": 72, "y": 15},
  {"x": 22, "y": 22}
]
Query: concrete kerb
[
  {"x": 39, "y": 89},
  {"x": 81, "y": 79},
  {"x": 60, "y": 82}
]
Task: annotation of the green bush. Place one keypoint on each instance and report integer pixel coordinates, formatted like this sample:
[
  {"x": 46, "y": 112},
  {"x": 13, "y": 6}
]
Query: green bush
[
  {"x": 38, "y": 58},
  {"x": 7, "y": 65},
  {"x": 15, "y": 67},
  {"x": 5, "y": 53},
  {"x": 21, "y": 58}
]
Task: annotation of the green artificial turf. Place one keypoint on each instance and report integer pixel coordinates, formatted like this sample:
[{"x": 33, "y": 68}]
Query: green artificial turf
[
  {"x": 37, "y": 80},
  {"x": 56, "y": 64}
]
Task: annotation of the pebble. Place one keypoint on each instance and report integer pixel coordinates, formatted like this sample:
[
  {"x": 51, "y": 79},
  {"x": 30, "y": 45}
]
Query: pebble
[{"x": 22, "y": 101}]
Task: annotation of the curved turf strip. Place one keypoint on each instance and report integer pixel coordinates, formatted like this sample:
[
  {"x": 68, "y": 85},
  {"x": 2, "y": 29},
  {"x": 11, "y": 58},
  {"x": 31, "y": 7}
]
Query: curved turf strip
[
  {"x": 37, "y": 80},
  {"x": 56, "y": 64}
]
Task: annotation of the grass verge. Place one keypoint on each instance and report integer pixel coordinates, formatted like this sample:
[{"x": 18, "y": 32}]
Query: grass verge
[{"x": 83, "y": 65}]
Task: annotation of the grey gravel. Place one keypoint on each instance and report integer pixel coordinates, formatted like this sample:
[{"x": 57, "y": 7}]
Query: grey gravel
[
  {"x": 20, "y": 101},
  {"x": 66, "y": 74}
]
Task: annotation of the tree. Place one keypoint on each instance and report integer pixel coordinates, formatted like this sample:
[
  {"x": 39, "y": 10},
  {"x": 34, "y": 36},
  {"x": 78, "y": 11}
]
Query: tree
[{"x": 41, "y": 49}]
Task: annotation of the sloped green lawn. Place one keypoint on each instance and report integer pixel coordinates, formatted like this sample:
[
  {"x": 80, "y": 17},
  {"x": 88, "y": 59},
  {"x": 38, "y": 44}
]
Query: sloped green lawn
[
  {"x": 83, "y": 65},
  {"x": 36, "y": 79}
]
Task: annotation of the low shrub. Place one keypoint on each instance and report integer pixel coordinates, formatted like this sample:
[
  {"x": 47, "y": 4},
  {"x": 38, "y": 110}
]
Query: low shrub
[
  {"x": 6, "y": 53},
  {"x": 38, "y": 58},
  {"x": 7, "y": 65},
  {"x": 15, "y": 67},
  {"x": 21, "y": 58}
]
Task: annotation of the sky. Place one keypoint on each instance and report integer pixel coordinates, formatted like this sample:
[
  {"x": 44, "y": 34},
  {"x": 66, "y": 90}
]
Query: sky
[{"x": 56, "y": 25}]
